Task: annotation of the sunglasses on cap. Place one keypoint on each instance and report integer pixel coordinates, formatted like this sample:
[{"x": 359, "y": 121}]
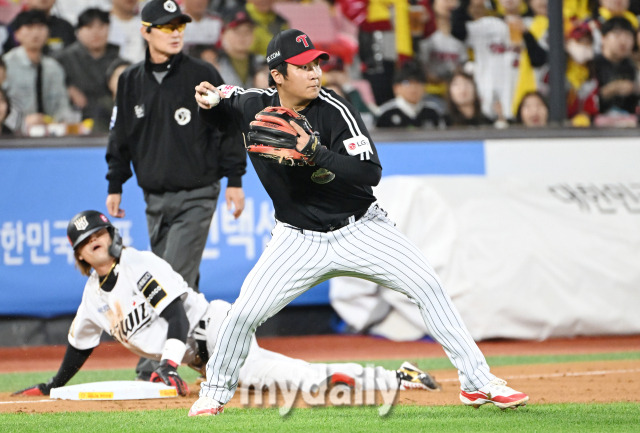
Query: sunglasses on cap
[{"x": 166, "y": 28}]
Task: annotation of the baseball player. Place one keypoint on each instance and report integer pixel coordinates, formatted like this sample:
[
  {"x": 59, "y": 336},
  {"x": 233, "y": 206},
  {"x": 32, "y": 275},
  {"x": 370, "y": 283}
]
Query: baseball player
[
  {"x": 327, "y": 224},
  {"x": 138, "y": 299}
]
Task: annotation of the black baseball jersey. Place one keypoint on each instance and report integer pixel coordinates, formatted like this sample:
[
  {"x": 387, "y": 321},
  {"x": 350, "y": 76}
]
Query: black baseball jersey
[
  {"x": 340, "y": 183},
  {"x": 156, "y": 126}
]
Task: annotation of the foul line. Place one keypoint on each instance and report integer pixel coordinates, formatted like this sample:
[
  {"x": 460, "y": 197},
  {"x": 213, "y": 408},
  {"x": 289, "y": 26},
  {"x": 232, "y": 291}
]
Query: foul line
[
  {"x": 27, "y": 401},
  {"x": 569, "y": 373}
]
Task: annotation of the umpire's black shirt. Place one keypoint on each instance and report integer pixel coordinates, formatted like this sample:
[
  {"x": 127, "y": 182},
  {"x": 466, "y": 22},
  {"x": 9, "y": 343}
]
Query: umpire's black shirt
[
  {"x": 307, "y": 196},
  {"x": 156, "y": 127}
]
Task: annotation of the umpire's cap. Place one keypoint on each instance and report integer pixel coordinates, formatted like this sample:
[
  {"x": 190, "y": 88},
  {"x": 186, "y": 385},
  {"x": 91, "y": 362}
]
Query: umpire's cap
[
  {"x": 158, "y": 12},
  {"x": 85, "y": 224},
  {"x": 292, "y": 46}
]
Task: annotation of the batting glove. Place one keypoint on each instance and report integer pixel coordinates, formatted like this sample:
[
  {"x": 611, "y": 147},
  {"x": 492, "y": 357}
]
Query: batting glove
[
  {"x": 35, "y": 390},
  {"x": 167, "y": 373}
]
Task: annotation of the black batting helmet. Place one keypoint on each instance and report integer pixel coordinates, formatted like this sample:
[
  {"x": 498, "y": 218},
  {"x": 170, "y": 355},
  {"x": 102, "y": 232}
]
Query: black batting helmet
[{"x": 86, "y": 223}]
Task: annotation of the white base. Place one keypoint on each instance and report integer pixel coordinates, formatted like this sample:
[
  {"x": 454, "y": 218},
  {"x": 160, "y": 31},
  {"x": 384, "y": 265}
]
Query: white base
[{"x": 114, "y": 390}]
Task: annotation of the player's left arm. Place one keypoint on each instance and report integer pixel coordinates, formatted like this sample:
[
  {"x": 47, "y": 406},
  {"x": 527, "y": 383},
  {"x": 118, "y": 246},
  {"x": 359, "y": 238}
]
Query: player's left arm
[
  {"x": 344, "y": 146},
  {"x": 174, "y": 348},
  {"x": 73, "y": 360}
]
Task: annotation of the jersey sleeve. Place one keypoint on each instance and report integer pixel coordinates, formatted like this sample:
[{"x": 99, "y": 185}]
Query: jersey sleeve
[
  {"x": 157, "y": 281},
  {"x": 347, "y": 148},
  {"x": 344, "y": 131},
  {"x": 84, "y": 332}
]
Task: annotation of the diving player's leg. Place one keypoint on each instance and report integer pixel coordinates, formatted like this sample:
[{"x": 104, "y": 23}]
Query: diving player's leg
[{"x": 266, "y": 368}]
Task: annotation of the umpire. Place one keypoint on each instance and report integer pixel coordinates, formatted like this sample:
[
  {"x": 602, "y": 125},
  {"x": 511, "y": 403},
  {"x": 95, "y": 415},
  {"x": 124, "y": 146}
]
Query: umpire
[{"x": 177, "y": 158}]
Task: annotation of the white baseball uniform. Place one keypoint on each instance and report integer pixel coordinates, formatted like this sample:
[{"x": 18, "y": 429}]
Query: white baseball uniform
[{"x": 146, "y": 284}]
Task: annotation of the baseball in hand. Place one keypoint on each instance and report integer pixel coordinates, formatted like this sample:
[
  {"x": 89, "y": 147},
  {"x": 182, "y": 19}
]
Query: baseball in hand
[{"x": 212, "y": 98}]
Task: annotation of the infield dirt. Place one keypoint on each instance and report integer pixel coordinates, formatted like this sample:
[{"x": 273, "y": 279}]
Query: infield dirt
[{"x": 578, "y": 382}]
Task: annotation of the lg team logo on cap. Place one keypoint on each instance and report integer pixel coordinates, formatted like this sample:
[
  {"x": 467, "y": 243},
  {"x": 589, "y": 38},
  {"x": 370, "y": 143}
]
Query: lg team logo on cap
[
  {"x": 81, "y": 223},
  {"x": 170, "y": 6},
  {"x": 182, "y": 116},
  {"x": 303, "y": 39}
]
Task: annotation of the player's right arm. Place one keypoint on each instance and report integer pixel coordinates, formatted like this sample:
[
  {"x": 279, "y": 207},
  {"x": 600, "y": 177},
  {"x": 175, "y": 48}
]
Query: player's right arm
[{"x": 73, "y": 360}]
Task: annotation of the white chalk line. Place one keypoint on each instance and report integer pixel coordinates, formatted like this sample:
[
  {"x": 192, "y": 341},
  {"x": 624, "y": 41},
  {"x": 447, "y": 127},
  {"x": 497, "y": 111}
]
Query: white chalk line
[
  {"x": 567, "y": 374},
  {"x": 27, "y": 401}
]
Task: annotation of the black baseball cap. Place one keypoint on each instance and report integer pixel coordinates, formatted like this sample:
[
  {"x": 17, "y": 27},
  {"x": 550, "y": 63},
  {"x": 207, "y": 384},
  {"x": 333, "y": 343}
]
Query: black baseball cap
[
  {"x": 158, "y": 12},
  {"x": 85, "y": 224},
  {"x": 292, "y": 46}
]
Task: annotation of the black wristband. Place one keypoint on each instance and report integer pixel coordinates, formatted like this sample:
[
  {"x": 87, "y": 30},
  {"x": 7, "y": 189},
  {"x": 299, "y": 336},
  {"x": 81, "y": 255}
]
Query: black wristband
[{"x": 312, "y": 148}]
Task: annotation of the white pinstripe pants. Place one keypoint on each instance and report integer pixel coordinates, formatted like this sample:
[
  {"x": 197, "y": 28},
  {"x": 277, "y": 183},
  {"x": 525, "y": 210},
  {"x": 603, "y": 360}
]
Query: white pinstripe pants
[{"x": 296, "y": 260}]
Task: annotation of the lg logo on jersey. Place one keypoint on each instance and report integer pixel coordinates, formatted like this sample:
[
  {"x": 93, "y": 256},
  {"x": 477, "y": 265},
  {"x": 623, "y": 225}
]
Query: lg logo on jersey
[{"x": 359, "y": 145}]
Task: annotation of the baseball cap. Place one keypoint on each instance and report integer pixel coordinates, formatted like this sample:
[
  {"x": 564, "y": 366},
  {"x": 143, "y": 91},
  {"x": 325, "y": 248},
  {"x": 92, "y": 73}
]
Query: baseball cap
[
  {"x": 333, "y": 64},
  {"x": 158, "y": 12},
  {"x": 236, "y": 16},
  {"x": 580, "y": 31},
  {"x": 32, "y": 16},
  {"x": 84, "y": 224},
  {"x": 292, "y": 46}
]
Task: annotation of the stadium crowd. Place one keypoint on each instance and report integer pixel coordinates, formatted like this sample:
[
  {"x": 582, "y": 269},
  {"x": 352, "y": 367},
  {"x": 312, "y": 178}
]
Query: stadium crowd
[{"x": 402, "y": 63}]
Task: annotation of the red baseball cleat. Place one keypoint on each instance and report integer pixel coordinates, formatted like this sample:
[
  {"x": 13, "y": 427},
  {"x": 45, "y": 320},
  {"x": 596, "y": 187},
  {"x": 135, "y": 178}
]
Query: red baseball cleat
[{"x": 496, "y": 392}]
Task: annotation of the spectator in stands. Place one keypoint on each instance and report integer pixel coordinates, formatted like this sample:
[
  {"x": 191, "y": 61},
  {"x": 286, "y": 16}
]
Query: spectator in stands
[
  {"x": 61, "y": 33},
  {"x": 607, "y": 9},
  {"x": 205, "y": 29},
  {"x": 384, "y": 40},
  {"x": 70, "y": 10},
  {"x": 582, "y": 87},
  {"x": 442, "y": 53},
  {"x": 115, "y": 69},
  {"x": 463, "y": 103},
  {"x": 85, "y": 63},
  {"x": 236, "y": 63},
  {"x": 533, "y": 111},
  {"x": 261, "y": 77},
  {"x": 206, "y": 52},
  {"x": 533, "y": 71},
  {"x": 408, "y": 108},
  {"x": 124, "y": 30},
  {"x": 496, "y": 52},
  {"x": 614, "y": 68},
  {"x": 335, "y": 76},
  {"x": 35, "y": 82},
  {"x": 5, "y": 110},
  {"x": 267, "y": 24}
]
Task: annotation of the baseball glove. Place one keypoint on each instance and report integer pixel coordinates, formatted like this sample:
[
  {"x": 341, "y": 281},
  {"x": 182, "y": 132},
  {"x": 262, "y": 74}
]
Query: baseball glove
[{"x": 272, "y": 136}]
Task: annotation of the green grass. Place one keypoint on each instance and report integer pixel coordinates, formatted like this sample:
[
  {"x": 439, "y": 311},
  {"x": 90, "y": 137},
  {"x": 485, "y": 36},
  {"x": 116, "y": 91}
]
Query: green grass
[{"x": 619, "y": 417}]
